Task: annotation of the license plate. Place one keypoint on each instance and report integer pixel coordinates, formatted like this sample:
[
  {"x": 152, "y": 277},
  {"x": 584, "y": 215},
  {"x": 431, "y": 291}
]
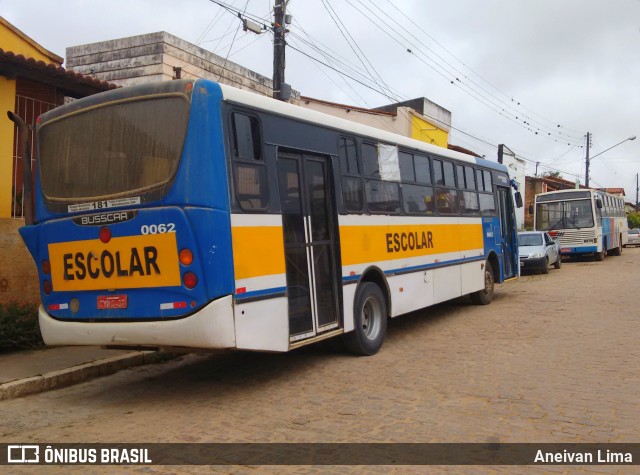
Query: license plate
[
  {"x": 565, "y": 250},
  {"x": 107, "y": 302}
]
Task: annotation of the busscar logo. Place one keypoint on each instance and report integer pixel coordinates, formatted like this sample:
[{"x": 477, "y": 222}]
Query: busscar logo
[
  {"x": 23, "y": 454},
  {"x": 105, "y": 218}
]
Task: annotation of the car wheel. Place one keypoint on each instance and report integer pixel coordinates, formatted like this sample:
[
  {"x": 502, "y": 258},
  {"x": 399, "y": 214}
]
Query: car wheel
[
  {"x": 546, "y": 267},
  {"x": 558, "y": 263}
]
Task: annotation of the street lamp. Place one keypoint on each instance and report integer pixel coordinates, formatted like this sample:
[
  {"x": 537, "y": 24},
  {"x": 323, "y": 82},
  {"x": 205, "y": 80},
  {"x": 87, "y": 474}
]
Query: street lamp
[{"x": 588, "y": 160}]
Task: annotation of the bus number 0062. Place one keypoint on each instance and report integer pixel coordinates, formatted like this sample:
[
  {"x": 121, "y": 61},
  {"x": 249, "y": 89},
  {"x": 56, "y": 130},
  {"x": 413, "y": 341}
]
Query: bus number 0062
[{"x": 158, "y": 228}]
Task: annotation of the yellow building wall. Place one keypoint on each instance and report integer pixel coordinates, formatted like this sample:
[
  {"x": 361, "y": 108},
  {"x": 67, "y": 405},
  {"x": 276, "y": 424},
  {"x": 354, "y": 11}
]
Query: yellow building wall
[
  {"x": 427, "y": 132},
  {"x": 7, "y": 103},
  {"x": 12, "y": 39}
]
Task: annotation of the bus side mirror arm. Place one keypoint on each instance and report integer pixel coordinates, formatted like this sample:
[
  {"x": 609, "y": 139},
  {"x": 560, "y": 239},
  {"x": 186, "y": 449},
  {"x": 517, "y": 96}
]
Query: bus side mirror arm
[{"x": 27, "y": 195}]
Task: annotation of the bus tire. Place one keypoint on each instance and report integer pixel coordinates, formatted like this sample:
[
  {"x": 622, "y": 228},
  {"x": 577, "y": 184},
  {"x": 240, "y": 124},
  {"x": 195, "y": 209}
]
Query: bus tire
[
  {"x": 618, "y": 250},
  {"x": 370, "y": 320},
  {"x": 485, "y": 296},
  {"x": 600, "y": 255}
]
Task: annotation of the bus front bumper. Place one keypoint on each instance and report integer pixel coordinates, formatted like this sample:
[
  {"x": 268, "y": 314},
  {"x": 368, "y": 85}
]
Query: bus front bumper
[{"x": 566, "y": 250}]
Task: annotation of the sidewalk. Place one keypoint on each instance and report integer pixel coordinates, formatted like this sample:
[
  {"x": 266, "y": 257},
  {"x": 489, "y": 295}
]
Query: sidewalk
[{"x": 33, "y": 371}]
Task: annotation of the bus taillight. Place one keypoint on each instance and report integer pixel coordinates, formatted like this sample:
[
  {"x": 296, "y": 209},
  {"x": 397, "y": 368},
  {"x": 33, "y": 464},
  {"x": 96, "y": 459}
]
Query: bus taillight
[
  {"x": 186, "y": 257},
  {"x": 46, "y": 286},
  {"x": 46, "y": 267},
  {"x": 190, "y": 280},
  {"x": 105, "y": 234}
]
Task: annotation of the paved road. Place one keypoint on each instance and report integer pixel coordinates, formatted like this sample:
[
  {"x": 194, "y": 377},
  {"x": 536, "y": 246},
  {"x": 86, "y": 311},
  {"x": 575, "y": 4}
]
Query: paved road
[{"x": 555, "y": 358}]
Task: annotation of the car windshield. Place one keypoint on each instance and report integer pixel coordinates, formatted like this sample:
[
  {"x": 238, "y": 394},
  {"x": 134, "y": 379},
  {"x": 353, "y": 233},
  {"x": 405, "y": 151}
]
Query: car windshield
[
  {"x": 530, "y": 239},
  {"x": 634, "y": 231}
]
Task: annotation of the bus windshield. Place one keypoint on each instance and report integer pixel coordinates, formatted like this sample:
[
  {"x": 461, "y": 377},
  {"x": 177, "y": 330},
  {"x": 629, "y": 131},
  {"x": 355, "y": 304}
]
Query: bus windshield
[
  {"x": 574, "y": 214},
  {"x": 116, "y": 149}
]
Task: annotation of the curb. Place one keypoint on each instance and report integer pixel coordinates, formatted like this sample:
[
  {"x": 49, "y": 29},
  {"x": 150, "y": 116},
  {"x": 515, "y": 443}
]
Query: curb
[{"x": 73, "y": 375}]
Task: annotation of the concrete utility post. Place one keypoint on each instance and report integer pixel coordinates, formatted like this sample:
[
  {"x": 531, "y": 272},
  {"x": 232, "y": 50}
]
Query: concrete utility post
[
  {"x": 278, "y": 48},
  {"x": 586, "y": 173},
  {"x": 600, "y": 153}
]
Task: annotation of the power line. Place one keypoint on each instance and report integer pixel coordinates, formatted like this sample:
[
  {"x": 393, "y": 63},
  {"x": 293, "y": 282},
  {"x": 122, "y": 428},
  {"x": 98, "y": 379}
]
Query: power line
[
  {"x": 504, "y": 109},
  {"x": 508, "y": 97},
  {"x": 353, "y": 45}
]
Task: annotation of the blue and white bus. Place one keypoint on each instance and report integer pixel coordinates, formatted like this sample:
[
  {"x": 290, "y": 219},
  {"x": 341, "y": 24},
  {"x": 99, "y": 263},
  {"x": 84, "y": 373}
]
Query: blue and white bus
[
  {"x": 196, "y": 215},
  {"x": 583, "y": 221}
]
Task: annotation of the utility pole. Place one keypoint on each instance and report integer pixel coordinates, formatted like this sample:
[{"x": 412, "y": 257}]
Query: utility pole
[
  {"x": 279, "y": 30},
  {"x": 586, "y": 173},
  {"x": 636, "y": 192}
]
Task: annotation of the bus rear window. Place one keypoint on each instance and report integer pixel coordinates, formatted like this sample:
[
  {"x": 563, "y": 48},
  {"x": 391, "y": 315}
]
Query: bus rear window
[{"x": 117, "y": 149}]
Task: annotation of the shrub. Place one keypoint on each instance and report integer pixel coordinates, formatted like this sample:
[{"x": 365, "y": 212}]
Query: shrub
[
  {"x": 19, "y": 327},
  {"x": 634, "y": 220}
]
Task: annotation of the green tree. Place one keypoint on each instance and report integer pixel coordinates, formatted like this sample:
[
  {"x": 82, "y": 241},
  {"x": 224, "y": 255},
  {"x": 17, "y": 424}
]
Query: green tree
[{"x": 634, "y": 220}]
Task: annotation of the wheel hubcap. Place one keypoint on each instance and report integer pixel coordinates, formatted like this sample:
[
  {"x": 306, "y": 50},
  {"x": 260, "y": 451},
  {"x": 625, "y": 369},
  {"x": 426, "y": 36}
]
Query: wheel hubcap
[{"x": 371, "y": 315}]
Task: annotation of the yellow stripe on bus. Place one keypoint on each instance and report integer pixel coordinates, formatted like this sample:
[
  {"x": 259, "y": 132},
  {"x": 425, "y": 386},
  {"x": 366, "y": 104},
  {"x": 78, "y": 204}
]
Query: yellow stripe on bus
[
  {"x": 362, "y": 244},
  {"x": 257, "y": 251}
]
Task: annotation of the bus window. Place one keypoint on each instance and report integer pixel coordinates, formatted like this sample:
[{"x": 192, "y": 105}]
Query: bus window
[
  {"x": 484, "y": 181},
  {"x": 487, "y": 204},
  {"x": 447, "y": 200},
  {"x": 247, "y": 143},
  {"x": 407, "y": 173},
  {"x": 423, "y": 169},
  {"x": 251, "y": 186},
  {"x": 470, "y": 178},
  {"x": 351, "y": 182},
  {"x": 469, "y": 203},
  {"x": 417, "y": 199},
  {"x": 352, "y": 194},
  {"x": 370, "y": 161},
  {"x": 443, "y": 173},
  {"x": 348, "y": 156},
  {"x": 249, "y": 171},
  {"x": 382, "y": 196}
]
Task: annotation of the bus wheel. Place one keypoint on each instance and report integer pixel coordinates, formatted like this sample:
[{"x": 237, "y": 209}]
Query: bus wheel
[
  {"x": 600, "y": 255},
  {"x": 485, "y": 296},
  {"x": 618, "y": 250},
  {"x": 370, "y": 319}
]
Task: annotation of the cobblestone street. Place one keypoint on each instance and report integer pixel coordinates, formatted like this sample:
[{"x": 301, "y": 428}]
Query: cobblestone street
[{"x": 554, "y": 358}]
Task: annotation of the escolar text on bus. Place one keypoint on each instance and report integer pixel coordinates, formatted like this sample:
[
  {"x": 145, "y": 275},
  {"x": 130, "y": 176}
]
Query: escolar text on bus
[
  {"x": 80, "y": 265},
  {"x": 397, "y": 242}
]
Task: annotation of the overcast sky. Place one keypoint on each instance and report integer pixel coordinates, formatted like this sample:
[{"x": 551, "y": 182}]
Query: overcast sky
[{"x": 560, "y": 68}]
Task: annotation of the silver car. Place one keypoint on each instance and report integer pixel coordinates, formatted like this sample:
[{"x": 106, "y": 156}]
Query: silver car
[
  {"x": 633, "y": 237},
  {"x": 538, "y": 251}
]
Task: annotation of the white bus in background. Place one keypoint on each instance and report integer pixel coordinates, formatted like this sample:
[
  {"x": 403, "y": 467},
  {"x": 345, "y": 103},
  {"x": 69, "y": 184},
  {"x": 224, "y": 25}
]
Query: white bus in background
[{"x": 583, "y": 221}]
